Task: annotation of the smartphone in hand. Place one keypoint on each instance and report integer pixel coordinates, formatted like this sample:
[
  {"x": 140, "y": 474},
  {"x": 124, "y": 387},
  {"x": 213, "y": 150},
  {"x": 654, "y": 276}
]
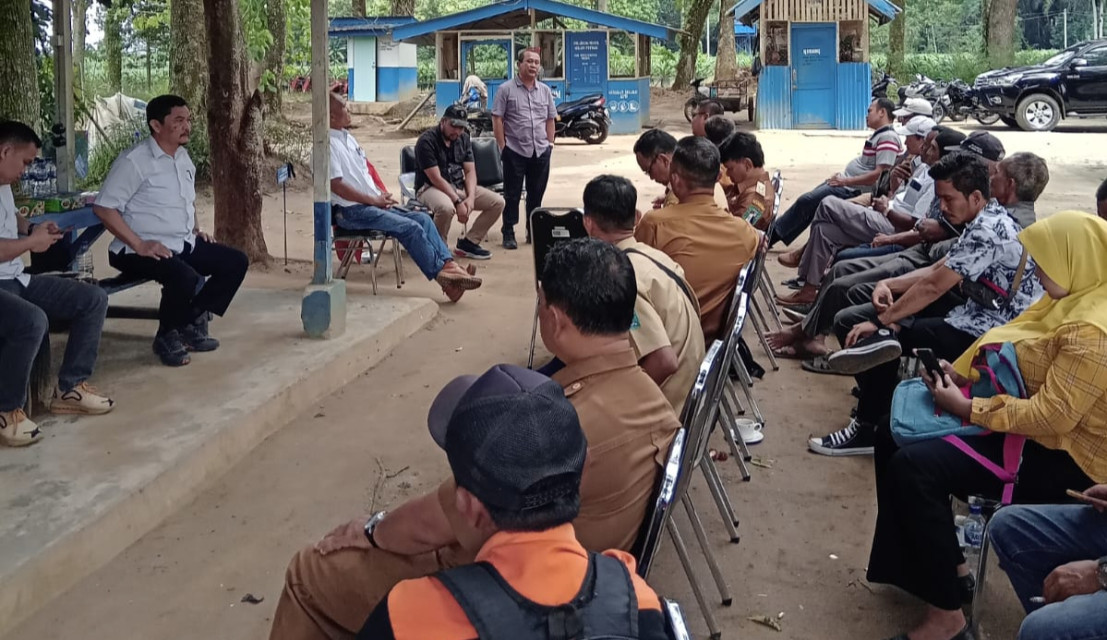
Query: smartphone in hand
[{"x": 930, "y": 362}]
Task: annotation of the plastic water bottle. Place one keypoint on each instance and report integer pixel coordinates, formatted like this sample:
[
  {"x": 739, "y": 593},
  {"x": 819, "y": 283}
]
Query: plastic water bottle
[
  {"x": 974, "y": 536},
  {"x": 51, "y": 177}
]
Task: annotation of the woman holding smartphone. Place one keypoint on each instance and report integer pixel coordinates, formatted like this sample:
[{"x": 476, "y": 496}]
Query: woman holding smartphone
[{"x": 1061, "y": 344}]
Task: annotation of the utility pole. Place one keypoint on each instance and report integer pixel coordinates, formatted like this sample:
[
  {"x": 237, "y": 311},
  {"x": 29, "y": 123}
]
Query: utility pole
[{"x": 1065, "y": 18}]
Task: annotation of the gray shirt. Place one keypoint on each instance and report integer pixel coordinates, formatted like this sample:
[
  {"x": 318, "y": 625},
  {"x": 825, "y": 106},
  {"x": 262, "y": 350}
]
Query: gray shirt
[
  {"x": 525, "y": 112},
  {"x": 1023, "y": 213}
]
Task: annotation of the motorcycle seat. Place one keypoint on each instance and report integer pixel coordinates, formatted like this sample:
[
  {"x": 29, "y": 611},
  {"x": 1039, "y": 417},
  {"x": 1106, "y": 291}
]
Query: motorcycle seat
[{"x": 592, "y": 97}]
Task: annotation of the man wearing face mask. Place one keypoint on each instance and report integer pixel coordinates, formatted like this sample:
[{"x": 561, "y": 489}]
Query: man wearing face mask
[
  {"x": 29, "y": 302},
  {"x": 523, "y": 117}
]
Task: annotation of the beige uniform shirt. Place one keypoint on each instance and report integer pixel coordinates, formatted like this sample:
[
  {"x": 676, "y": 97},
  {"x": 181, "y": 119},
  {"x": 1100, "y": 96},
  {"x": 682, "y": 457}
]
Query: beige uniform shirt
[{"x": 664, "y": 316}]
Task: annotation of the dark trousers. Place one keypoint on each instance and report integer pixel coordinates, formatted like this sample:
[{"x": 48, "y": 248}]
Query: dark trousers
[
  {"x": 25, "y": 317},
  {"x": 535, "y": 172},
  {"x": 915, "y": 546},
  {"x": 185, "y": 294},
  {"x": 799, "y": 216},
  {"x": 879, "y": 383}
]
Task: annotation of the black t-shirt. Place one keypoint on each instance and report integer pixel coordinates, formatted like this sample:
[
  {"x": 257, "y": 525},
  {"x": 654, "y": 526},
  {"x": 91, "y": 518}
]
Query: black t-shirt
[{"x": 431, "y": 151}]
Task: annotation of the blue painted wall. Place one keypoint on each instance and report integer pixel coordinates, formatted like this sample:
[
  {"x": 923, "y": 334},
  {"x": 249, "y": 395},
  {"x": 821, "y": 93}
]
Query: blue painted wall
[
  {"x": 774, "y": 98},
  {"x": 395, "y": 84},
  {"x": 624, "y": 103},
  {"x": 446, "y": 92},
  {"x": 854, "y": 94}
]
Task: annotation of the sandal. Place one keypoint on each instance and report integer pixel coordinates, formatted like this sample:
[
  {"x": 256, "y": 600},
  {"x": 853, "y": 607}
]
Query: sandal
[
  {"x": 794, "y": 284},
  {"x": 17, "y": 430},
  {"x": 820, "y": 364},
  {"x": 790, "y": 352}
]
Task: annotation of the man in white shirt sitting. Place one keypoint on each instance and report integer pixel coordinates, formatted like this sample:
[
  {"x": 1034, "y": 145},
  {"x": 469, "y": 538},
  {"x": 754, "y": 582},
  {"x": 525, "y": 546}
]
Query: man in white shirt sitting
[
  {"x": 148, "y": 203},
  {"x": 28, "y": 303},
  {"x": 358, "y": 205}
]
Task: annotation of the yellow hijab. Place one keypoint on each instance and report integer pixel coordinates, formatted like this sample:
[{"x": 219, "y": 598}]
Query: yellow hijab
[{"x": 1071, "y": 248}]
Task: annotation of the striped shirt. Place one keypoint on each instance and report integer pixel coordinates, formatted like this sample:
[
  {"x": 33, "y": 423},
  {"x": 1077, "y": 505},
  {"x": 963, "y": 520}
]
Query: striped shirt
[{"x": 881, "y": 149}]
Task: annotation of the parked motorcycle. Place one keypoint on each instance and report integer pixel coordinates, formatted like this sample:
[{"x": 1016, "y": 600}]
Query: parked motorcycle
[
  {"x": 962, "y": 101},
  {"x": 584, "y": 118},
  {"x": 480, "y": 120},
  {"x": 880, "y": 88}
]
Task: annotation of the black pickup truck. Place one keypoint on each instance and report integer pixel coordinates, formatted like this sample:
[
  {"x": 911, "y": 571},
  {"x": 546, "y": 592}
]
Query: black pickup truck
[{"x": 1071, "y": 84}]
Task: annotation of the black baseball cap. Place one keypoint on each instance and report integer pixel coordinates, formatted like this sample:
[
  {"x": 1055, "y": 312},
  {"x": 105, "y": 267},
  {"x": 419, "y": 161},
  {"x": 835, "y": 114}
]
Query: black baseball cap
[
  {"x": 984, "y": 145},
  {"x": 512, "y": 437},
  {"x": 457, "y": 116},
  {"x": 949, "y": 139}
]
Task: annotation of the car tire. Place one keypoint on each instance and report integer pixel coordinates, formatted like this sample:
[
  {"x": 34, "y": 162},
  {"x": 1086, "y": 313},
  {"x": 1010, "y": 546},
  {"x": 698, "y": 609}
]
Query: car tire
[
  {"x": 1009, "y": 121},
  {"x": 1038, "y": 112}
]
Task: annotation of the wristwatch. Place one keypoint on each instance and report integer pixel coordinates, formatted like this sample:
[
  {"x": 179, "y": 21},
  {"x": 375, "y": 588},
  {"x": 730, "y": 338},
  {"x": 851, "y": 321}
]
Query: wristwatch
[
  {"x": 371, "y": 526},
  {"x": 1101, "y": 573}
]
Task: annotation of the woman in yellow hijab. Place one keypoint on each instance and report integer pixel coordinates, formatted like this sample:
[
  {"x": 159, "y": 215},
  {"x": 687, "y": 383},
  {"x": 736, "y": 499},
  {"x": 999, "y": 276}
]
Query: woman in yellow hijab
[{"x": 1061, "y": 345}]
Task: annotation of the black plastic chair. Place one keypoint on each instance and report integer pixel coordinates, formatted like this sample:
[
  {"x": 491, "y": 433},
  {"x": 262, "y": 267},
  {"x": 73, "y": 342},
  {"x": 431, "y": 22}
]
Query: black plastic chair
[
  {"x": 489, "y": 164},
  {"x": 549, "y": 227}
]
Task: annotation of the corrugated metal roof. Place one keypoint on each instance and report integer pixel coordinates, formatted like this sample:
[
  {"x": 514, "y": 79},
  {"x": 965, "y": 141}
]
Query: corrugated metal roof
[
  {"x": 369, "y": 26},
  {"x": 514, "y": 14},
  {"x": 884, "y": 9}
]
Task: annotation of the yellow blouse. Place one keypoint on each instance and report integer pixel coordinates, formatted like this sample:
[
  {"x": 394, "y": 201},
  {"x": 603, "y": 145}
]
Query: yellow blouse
[{"x": 1066, "y": 377}]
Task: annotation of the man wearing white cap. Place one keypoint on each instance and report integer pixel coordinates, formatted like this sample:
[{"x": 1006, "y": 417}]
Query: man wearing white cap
[
  {"x": 841, "y": 223},
  {"x": 913, "y": 108}
]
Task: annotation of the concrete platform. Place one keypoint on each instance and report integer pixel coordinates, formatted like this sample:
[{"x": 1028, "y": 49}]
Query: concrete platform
[{"x": 97, "y": 484}]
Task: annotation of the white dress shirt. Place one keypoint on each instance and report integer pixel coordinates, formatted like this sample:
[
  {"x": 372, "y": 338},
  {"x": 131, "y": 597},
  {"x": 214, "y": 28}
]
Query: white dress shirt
[
  {"x": 155, "y": 193},
  {"x": 348, "y": 163},
  {"x": 9, "y": 230}
]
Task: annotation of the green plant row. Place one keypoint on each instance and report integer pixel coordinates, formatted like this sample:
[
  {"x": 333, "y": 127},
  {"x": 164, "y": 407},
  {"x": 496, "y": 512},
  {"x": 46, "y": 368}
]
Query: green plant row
[{"x": 947, "y": 66}]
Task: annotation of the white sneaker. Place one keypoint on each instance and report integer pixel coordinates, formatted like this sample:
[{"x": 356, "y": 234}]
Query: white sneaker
[
  {"x": 82, "y": 399},
  {"x": 750, "y": 430},
  {"x": 17, "y": 430}
]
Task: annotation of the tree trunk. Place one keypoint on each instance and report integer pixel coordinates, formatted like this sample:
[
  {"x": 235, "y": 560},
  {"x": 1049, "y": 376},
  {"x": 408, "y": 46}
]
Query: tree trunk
[
  {"x": 726, "y": 57},
  {"x": 1000, "y": 25},
  {"x": 113, "y": 43},
  {"x": 695, "y": 16},
  {"x": 80, "y": 30},
  {"x": 274, "y": 57},
  {"x": 149, "y": 67},
  {"x": 402, "y": 8},
  {"x": 188, "y": 57},
  {"x": 896, "y": 47},
  {"x": 358, "y": 7},
  {"x": 18, "y": 76},
  {"x": 234, "y": 127}
]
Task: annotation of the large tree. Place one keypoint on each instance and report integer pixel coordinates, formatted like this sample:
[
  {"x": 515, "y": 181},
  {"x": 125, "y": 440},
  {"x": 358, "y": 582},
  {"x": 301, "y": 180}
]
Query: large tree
[
  {"x": 80, "y": 29},
  {"x": 999, "y": 29},
  {"x": 18, "y": 74},
  {"x": 358, "y": 7},
  {"x": 188, "y": 58},
  {"x": 726, "y": 57},
  {"x": 695, "y": 16},
  {"x": 274, "y": 56},
  {"x": 896, "y": 31},
  {"x": 113, "y": 45},
  {"x": 234, "y": 127},
  {"x": 402, "y": 7}
]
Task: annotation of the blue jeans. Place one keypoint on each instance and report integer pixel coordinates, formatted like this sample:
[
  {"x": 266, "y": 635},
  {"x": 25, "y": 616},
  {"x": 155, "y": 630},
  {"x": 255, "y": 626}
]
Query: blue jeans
[
  {"x": 798, "y": 217},
  {"x": 25, "y": 316},
  {"x": 1032, "y": 541},
  {"x": 416, "y": 231},
  {"x": 866, "y": 251}
]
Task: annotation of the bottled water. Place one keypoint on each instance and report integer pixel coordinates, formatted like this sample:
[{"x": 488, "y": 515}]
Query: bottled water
[
  {"x": 974, "y": 536},
  {"x": 84, "y": 264},
  {"x": 51, "y": 177}
]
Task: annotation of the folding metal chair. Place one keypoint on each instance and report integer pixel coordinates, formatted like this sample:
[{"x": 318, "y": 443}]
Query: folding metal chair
[
  {"x": 674, "y": 616},
  {"x": 348, "y": 244},
  {"x": 549, "y": 227},
  {"x": 408, "y": 167},
  {"x": 768, "y": 290},
  {"x": 760, "y": 321},
  {"x": 687, "y": 451}
]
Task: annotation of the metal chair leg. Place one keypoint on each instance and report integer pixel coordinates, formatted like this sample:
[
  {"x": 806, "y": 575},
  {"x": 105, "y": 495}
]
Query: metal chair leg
[
  {"x": 733, "y": 438},
  {"x": 767, "y": 294},
  {"x": 761, "y": 334},
  {"x": 397, "y": 263},
  {"x": 697, "y": 588},
  {"x": 741, "y": 442},
  {"x": 747, "y": 382},
  {"x": 721, "y": 498},
  {"x": 708, "y": 555},
  {"x": 533, "y": 335},
  {"x": 977, "y": 607}
]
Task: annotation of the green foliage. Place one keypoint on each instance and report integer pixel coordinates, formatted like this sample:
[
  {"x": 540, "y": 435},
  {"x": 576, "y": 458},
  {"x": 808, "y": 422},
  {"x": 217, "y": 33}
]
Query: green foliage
[
  {"x": 255, "y": 27},
  {"x": 123, "y": 135},
  {"x": 663, "y": 65},
  {"x": 947, "y": 66}
]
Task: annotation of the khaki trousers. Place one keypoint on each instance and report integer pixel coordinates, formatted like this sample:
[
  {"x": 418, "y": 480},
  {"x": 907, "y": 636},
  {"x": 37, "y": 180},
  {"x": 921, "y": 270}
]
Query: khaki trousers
[
  {"x": 330, "y": 597},
  {"x": 488, "y": 202}
]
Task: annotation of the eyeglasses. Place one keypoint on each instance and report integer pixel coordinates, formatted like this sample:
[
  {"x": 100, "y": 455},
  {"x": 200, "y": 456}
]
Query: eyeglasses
[{"x": 649, "y": 169}]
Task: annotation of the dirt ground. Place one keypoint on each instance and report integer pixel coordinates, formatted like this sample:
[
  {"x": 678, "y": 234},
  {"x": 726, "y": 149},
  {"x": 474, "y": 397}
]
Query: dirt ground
[{"x": 806, "y": 520}]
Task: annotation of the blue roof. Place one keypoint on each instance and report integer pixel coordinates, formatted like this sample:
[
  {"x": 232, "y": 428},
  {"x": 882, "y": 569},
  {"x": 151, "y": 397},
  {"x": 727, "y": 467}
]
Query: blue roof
[
  {"x": 371, "y": 26},
  {"x": 514, "y": 14},
  {"x": 883, "y": 9},
  {"x": 742, "y": 30}
]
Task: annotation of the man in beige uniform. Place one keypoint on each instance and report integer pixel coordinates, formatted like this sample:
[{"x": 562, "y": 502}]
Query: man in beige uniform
[
  {"x": 331, "y": 588},
  {"x": 665, "y": 332}
]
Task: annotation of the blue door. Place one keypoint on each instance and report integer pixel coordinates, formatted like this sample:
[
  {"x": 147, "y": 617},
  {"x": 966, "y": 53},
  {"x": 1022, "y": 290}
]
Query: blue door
[
  {"x": 814, "y": 75},
  {"x": 587, "y": 68}
]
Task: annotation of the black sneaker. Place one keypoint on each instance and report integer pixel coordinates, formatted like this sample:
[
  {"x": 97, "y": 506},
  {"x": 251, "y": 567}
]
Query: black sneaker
[
  {"x": 195, "y": 336},
  {"x": 880, "y": 347},
  {"x": 171, "y": 349},
  {"x": 855, "y": 440},
  {"x": 469, "y": 249},
  {"x": 509, "y": 242}
]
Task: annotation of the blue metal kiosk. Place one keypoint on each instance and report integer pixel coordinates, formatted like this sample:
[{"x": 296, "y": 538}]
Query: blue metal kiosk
[
  {"x": 605, "y": 54},
  {"x": 815, "y": 53}
]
